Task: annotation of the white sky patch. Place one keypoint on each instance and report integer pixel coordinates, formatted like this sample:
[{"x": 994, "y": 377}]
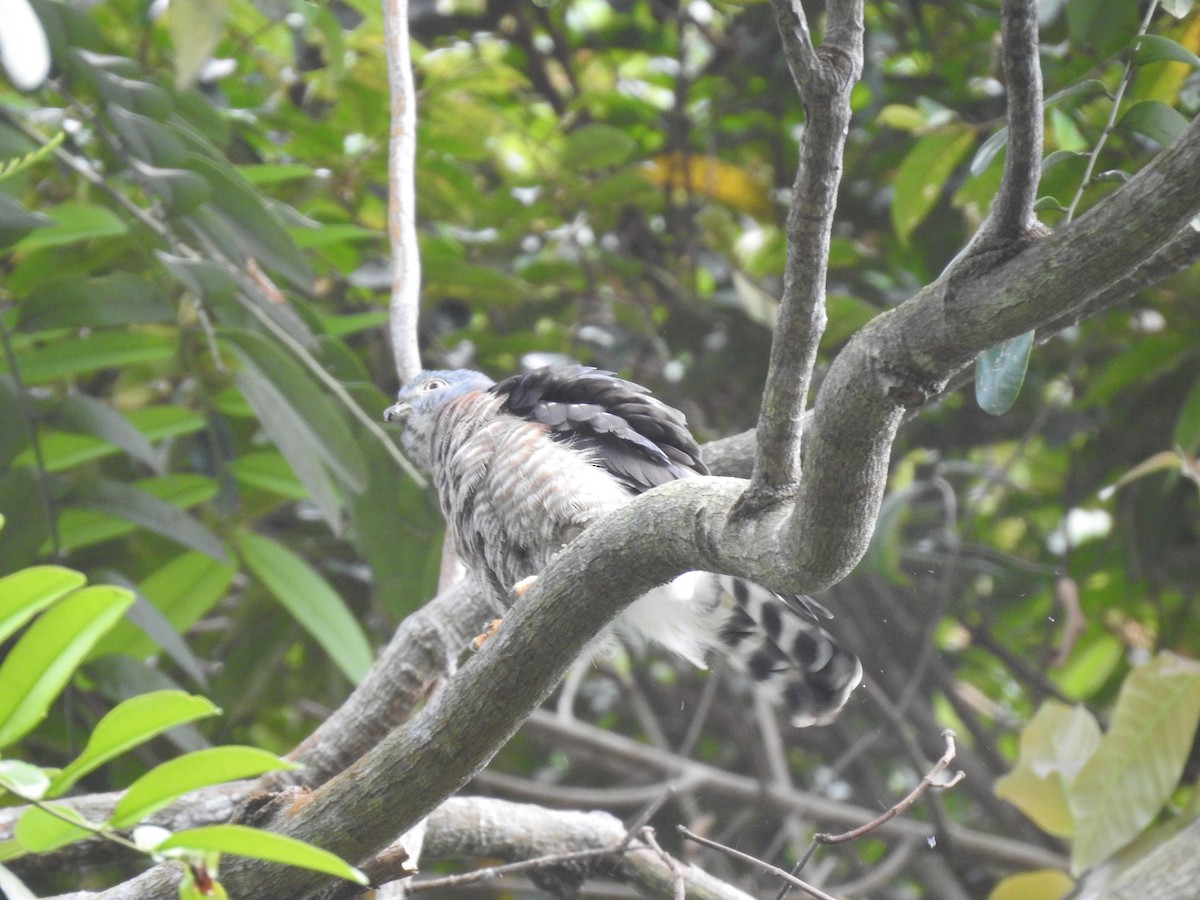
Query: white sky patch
[{"x": 1079, "y": 527}]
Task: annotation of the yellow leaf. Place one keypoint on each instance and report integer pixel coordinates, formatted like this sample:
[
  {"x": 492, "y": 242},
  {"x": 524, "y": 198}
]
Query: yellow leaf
[
  {"x": 710, "y": 177},
  {"x": 195, "y": 27},
  {"x": 1044, "y": 884},
  {"x": 1054, "y": 746}
]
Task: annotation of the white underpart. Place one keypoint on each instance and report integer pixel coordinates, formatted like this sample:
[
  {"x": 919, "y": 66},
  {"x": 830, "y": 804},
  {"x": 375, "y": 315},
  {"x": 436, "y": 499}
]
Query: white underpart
[{"x": 679, "y": 615}]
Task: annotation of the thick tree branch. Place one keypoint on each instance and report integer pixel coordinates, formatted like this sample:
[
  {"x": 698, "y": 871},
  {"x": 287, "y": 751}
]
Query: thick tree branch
[
  {"x": 824, "y": 80},
  {"x": 402, "y": 204},
  {"x": 423, "y": 651}
]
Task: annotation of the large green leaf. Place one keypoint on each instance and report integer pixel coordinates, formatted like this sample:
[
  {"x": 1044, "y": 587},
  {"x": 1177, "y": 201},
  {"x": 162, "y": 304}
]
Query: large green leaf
[
  {"x": 129, "y": 724},
  {"x": 294, "y": 410},
  {"x": 243, "y": 216},
  {"x": 79, "y": 412},
  {"x": 73, "y": 221},
  {"x": 245, "y": 841},
  {"x": 26, "y": 593},
  {"x": 118, "y": 298},
  {"x": 103, "y": 350},
  {"x": 182, "y": 590},
  {"x": 923, "y": 174},
  {"x": 127, "y": 502},
  {"x": 47, "y": 654},
  {"x": 310, "y": 600},
  {"x": 174, "y": 778},
  {"x": 1129, "y": 778}
]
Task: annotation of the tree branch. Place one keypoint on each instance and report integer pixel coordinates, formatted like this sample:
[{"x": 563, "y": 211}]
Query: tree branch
[
  {"x": 824, "y": 80},
  {"x": 402, "y": 204},
  {"x": 1012, "y": 219}
]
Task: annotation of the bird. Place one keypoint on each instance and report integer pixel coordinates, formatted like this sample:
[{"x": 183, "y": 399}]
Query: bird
[{"x": 522, "y": 466}]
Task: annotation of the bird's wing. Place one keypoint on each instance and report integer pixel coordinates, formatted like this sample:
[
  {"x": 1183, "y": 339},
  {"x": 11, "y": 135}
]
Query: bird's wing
[{"x": 638, "y": 439}]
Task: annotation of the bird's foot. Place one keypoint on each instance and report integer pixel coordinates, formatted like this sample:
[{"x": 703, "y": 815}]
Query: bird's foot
[
  {"x": 492, "y": 629},
  {"x": 523, "y": 585}
]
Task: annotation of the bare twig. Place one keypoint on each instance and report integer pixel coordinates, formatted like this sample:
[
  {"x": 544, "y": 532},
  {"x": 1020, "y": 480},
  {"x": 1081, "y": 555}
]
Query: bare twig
[
  {"x": 765, "y": 866},
  {"x": 926, "y": 783},
  {"x": 1126, "y": 77}
]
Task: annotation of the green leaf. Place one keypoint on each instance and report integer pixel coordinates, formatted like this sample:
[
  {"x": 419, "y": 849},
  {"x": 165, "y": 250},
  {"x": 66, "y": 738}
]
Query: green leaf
[
  {"x": 1187, "y": 424},
  {"x": 1153, "y": 48},
  {"x": 136, "y": 96},
  {"x": 245, "y": 841},
  {"x": 47, "y": 654},
  {"x": 597, "y": 146},
  {"x": 922, "y": 175},
  {"x": 244, "y": 225},
  {"x": 129, "y": 724},
  {"x": 1054, "y": 747},
  {"x": 295, "y": 411},
  {"x": 183, "y": 590},
  {"x": 26, "y": 593},
  {"x": 1133, "y": 772},
  {"x": 40, "y": 831},
  {"x": 24, "y": 780},
  {"x": 1105, "y": 26},
  {"x": 168, "y": 781},
  {"x": 79, "y": 412},
  {"x": 16, "y": 221},
  {"x": 179, "y": 190},
  {"x": 310, "y": 600},
  {"x": 127, "y": 502},
  {"x": 118, "y": 298},
  {"x": 103, "y": 350},
  {"x": 1155, "y": 120},
  {"x": 1000, "y": 372},
  {"x": 148, "y": 140},
  {"x": 73, "y": 222},
  {"x": 269, "y": 471}
]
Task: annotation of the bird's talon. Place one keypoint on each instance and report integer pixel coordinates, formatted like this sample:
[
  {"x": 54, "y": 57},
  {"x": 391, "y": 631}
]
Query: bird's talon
[
  {"x": 523, "y": 585},
  {"x": 492, "y": 629}
]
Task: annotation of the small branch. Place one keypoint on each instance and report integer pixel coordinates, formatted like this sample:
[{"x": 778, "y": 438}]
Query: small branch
[
  {"x": 755, "y": 861},
  {"x": 926, "y": 783},
  {"x": 402, "y": 205},
  {"x": 1012, "y": 215}
]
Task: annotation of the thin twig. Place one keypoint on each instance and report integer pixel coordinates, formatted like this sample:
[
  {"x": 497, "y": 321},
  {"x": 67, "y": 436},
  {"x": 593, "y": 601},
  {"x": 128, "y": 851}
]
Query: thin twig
[
  {"x": 753, "y": 860},
  {"x": 925, "y": 783},
  {"x": 525, "y": 865},
  {"x": 1111, "y": 124}
]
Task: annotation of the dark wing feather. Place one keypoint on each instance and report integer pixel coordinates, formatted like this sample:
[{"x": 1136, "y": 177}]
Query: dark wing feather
[{"x": 639, "y": 439}]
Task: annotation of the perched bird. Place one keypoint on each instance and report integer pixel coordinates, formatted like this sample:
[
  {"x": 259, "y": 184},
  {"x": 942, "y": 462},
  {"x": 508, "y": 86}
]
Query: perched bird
[{"x": 522, "y": 466}]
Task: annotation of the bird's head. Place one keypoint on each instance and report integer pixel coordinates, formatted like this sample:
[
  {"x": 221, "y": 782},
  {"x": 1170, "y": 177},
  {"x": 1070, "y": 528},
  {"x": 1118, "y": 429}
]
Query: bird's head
[{"x": 429, "y": 391}]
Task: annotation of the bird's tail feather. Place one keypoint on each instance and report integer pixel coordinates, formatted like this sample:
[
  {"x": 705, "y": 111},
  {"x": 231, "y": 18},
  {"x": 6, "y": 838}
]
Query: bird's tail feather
[
  {"x": 763, "y": 633},
  {"x": 798, "y": 661}
]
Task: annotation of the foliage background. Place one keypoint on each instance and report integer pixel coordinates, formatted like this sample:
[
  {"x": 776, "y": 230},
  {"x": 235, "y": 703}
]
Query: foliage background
[{"x": 193, "y": 288}]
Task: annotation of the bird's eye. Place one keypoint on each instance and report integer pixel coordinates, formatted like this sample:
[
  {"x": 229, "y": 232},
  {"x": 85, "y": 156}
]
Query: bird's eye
[{"x": 433, "y": 384}]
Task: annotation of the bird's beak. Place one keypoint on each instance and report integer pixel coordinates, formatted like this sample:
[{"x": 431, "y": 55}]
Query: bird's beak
[{"x": 397, "y": 412}]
